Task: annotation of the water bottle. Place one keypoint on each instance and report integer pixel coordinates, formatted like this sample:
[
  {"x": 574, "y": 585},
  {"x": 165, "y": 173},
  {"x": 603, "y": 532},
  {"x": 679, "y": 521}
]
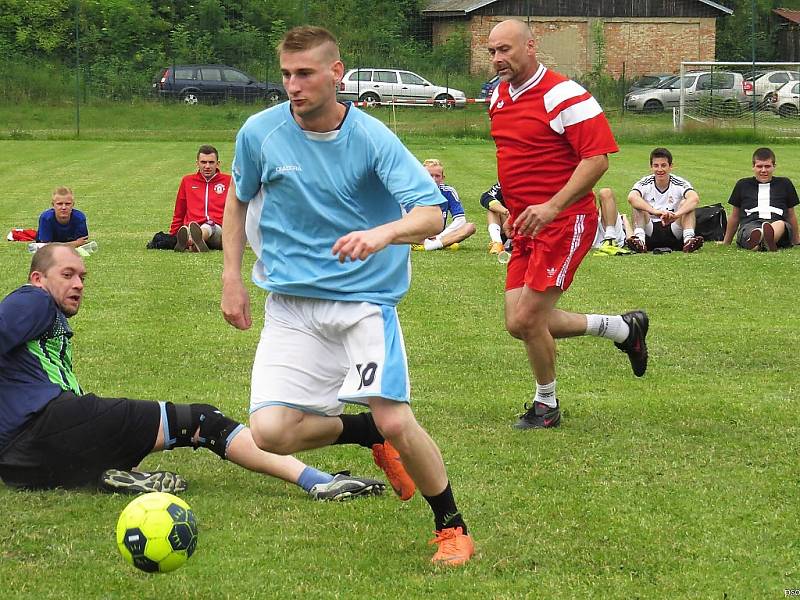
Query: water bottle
[{"x": 503, "y": 257}]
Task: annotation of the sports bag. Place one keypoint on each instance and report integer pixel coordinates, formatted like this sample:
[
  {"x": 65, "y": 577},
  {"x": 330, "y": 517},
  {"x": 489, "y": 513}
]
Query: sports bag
[
  {"x": 162, "y": 241},
  {"x": 711, "y": 222}
]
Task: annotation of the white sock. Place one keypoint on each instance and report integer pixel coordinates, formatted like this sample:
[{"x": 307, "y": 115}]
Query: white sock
[
  {"x": 546, "y": 394},
  {"x": 494, "y": 233},
  {"x": 611, "y": 232},
  {"x": 688, "y": 234},
  {"x": 432, "y": 244},
  {"x": 607, "y": 326},
  {"x": 639, "y": 233}
]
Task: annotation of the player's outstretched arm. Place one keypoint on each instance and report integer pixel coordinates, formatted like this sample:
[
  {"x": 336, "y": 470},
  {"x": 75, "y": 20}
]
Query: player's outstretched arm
[
  {"x": 732, "y": 226},
  {"x": 416, "y": 225},
  {"x": 235, "y": 302}
]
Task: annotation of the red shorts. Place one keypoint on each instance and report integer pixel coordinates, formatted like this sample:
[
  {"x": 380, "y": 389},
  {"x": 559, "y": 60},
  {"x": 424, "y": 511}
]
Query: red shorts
[{"x": 552, "y": 257}]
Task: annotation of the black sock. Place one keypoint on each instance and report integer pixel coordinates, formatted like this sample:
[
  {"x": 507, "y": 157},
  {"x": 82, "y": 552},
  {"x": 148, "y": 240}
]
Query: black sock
[
  {"x": 359, "y": 429},
  {"x": 445, "y": 513}
]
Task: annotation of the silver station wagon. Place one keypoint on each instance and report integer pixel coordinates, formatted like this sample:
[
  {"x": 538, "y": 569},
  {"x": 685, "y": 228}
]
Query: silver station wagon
[{"x": 374, "y": 85}]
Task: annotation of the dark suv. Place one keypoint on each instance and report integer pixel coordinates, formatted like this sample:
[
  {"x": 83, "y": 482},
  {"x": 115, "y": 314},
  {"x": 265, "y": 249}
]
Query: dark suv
[{"x": 196, "y": 83}]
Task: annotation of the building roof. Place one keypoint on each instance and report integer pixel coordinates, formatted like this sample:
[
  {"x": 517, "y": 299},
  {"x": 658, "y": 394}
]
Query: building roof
[
  {"x": 460, "y": 8},
  {"x": 718, "y": 6},
  {"x": 789, "y": 15},
  {"x": 454, "y": 7}
]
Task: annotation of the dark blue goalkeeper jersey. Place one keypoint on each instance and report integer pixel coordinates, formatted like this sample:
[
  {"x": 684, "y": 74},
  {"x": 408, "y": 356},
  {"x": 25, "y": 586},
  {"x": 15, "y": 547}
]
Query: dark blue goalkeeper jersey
[{"x": 35, "y": 357}]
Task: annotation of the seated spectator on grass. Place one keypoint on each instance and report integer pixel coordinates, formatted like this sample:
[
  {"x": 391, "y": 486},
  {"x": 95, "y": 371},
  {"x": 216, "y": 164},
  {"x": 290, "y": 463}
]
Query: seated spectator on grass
[
  {"x": 763, "y": 208},
  {"x": 612, "y": 230},
  {"x": 53, "y": 434},
  {"x": 459, "y": 229},
  {"x": 496, "y": 215},
  {"x": 199, "y": 205},
  {"x": 64, "y": 223},
  {"x": 663, "y": 208}
]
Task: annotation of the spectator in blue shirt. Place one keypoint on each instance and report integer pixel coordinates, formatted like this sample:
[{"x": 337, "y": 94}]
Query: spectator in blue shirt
[
  {"x": 63, "y": 223},
  {"x": 459, "y": 229}
]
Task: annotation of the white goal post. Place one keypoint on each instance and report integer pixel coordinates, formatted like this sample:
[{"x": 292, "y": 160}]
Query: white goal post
[{"x": 738, "y": 94}]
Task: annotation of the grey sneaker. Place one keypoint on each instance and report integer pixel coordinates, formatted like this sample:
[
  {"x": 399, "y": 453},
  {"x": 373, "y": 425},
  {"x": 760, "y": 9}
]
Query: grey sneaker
[
  {"x": 136, "y": 482},
  {"x": 183, "y": 239},
  {"x": 344, "y": 487},
  {"x": 197, "y": 237}
]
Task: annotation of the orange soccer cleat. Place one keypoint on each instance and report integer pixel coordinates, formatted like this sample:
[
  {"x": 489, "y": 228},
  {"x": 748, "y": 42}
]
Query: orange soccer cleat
[
  {"x": 496, "y": 248},
  {"x": 388, "y": 459},
  {"x": 455, "y": 547}
]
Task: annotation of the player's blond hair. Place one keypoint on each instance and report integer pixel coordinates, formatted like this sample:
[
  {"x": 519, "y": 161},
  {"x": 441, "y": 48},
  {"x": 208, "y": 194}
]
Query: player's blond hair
[
  {"x": 306, "y": 37},
  {"x": 432, "y": 162},
  {"x": 62, "y": 190}
]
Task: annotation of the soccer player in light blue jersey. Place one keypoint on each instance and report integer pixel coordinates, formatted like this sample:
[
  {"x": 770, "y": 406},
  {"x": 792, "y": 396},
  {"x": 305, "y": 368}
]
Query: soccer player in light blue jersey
[{"x": 329, "y": 200}]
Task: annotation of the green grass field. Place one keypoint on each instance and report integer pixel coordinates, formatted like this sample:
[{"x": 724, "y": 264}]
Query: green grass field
[
  {"x": 681, "y": 484},
  {"x": 167, "y": 121}
]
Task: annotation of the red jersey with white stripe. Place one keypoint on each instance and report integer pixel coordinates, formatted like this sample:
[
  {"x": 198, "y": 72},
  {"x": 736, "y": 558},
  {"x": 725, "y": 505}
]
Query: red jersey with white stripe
[
  {"x": 200, "y": 201},
  {"x": 542, "y": 130}
]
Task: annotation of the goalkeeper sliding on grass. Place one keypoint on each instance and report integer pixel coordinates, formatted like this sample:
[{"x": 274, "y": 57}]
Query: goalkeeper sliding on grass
[{"x": 54, "y": 435}]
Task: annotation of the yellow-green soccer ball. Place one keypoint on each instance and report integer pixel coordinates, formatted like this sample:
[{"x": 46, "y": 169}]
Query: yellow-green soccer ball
[{"x": 157, "y": 532}]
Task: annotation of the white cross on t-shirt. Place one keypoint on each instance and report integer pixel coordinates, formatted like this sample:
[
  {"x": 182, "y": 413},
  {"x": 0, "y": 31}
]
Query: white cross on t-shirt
[{"x": 765, "y": 210}]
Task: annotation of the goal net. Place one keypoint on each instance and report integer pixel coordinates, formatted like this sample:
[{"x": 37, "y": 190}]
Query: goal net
[{"x": 761, "y": 95}]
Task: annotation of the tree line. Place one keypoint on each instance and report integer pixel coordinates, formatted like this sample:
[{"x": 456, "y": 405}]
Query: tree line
[{"x": 122, "y": 44}]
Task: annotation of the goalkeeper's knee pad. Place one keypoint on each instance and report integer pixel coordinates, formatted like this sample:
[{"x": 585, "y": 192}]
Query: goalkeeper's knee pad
[{"x": 215, "y": 429}]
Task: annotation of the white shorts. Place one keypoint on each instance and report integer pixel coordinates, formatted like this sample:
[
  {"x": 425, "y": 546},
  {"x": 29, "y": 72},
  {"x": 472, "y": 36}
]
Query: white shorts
[
  {"x": 314, "y": 355},
  {"x": 601, "y": 233}
]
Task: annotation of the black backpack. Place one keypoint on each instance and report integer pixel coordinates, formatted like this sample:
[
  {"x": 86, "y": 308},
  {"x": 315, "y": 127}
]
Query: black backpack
[
  {"x": 162, "y": 241},
  {"x": 711, "y": 222}
]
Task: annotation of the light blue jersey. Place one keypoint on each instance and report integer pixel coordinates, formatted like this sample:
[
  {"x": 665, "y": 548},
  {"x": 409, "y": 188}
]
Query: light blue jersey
[{"x": 306, "y": 190}]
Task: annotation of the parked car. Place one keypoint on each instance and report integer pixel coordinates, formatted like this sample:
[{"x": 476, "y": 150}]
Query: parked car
[
  {"x": 763, "y": 83},
  {"x": 785, "y": 101},
  {"x": 725, "y": 85},
  {"x": 394, "y": 85},
  {"x": 488, "y": 87},
  {"x": 198, "y": 83},
  {"x": 649, "y": 81}
]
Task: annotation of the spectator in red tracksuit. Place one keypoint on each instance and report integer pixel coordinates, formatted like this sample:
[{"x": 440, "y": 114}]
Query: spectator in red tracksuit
[{"x": 197, "y": 220}]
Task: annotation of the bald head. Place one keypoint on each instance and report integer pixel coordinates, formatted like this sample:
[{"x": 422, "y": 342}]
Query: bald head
[
  {"x": 512, "y": 50},
  {"x": 513, "y": 28}
]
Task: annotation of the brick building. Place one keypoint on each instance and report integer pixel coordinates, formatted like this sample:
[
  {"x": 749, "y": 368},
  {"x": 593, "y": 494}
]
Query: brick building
[
  {"x": 788, "y": 26},
  {"x": 632, "y": 37}
]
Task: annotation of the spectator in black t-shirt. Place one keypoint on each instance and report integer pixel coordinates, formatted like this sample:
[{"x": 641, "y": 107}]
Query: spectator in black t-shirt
[{"x": 763, "y": 208}]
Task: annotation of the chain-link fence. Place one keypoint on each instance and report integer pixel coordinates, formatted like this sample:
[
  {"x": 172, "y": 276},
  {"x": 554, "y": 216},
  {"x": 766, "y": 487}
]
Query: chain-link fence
[
  {"x": 763, "y": 96},
  {"x": 73, "y": 65}
]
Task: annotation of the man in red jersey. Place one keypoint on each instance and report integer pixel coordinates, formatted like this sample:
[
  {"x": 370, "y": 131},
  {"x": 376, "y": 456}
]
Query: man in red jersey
[
  {"x": 200, "y": 203},
  {"x": 552, "y": 144}
]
